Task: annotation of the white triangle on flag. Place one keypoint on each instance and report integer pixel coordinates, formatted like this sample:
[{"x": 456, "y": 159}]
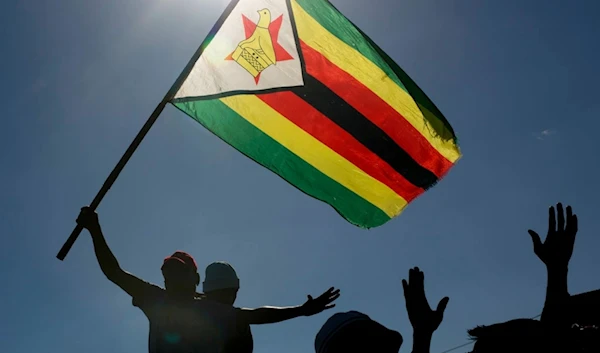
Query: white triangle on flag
[{"x": 254, "y": 50}]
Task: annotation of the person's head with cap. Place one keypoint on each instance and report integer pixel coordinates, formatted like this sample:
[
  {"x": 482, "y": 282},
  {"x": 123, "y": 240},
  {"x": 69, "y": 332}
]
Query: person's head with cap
[
  {"x": 356, "y": 332},
  {"x": 181, "y": 274},
  {"x": 221, "y": 283}
]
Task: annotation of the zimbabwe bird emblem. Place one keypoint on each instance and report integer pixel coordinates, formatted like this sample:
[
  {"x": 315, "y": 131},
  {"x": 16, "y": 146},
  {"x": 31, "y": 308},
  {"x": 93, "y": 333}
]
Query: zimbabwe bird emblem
[{"x": 261, "y": 48}]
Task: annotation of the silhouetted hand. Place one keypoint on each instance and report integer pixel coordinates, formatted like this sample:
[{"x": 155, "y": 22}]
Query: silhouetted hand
[
  {"x": 88, "y": 219},
  {"x": 422, "y": 318},
  {"x": 556, "y": 251},
  {"x": 323, "y": 302}
]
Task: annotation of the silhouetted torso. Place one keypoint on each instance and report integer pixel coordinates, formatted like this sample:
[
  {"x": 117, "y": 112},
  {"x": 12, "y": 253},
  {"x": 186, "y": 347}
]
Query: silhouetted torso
[
  {"x": 242, "y": 342},
  {"x": 188, "y": 326}
]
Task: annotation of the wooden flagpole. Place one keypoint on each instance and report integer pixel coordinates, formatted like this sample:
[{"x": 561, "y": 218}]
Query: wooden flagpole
[
  {"x": 132, "y": 148},
  {"x": 140, "y": 136},
  {"x": 114, "y": 174}
]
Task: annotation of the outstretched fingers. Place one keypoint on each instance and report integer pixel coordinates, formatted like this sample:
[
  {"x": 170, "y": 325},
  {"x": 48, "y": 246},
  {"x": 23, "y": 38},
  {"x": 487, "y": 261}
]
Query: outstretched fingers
[
  {"x": 571, "y": 226},
  {"x": 415, "y": 278},
  {"x": 557, "y": 248},
  {"x": 561, "y": 217},
  {"x": 535, "y": 238},
  {"x": 414, "y": 288},
  {"x": 441, "y": 307},
  {"x": 329, "y": 296},
  {"x": 418, "y": 283},
  {"x": 421, "y": 316},
  {"x": 333, "y": 297},
  {"x": 551, "y": 220}
]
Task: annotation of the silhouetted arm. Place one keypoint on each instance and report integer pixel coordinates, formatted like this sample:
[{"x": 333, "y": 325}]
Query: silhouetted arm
[
  {"x": 109, "y": 265},
  {"x": 423, "y": 320},
  {"x": 557, "y": 296},
  {"x": 555, "y": 253},
  {"x": 271, "y": 314},
  {"x": 421, "y": 342}
]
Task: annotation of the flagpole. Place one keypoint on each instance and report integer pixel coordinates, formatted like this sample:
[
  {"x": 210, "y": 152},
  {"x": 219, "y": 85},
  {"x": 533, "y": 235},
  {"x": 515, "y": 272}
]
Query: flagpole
[
  {"x": 140, "y": 136},
  {"x": 114, "y": 174},
  {"x": 132, "y": 148}
]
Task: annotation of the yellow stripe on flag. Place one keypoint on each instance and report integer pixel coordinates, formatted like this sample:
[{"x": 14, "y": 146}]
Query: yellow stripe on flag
[
  {"x": 315, "y": 153},
  {"x": 362, "y": 69}
]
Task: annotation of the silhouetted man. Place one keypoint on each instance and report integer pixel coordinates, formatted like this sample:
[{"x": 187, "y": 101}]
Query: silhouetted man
[
  {"x": 221, "y": 285},
  {"x": 179, "y": 322}
]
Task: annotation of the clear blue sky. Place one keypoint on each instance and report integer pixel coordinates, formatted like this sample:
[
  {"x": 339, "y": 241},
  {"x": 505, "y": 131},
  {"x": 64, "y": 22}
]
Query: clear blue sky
[{"x": 517, "y": 80}]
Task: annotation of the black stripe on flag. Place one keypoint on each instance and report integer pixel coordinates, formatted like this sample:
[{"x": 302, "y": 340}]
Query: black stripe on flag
[{"x": 362, "y": 129}]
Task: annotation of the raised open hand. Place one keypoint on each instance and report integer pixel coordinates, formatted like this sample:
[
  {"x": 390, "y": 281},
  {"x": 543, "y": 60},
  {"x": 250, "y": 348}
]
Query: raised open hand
[
  {"x": 557, "y": 249},
  {"x": 422, "y": 318},
  {"x": 323, "y": 302}
]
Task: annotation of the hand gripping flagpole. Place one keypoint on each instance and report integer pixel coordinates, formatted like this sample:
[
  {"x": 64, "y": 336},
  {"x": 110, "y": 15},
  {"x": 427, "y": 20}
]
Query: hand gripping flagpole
[
  {"x": 121, "y": 164},
  {"x": 114, "y": 174},
  {"x": 140, "y": 136}
]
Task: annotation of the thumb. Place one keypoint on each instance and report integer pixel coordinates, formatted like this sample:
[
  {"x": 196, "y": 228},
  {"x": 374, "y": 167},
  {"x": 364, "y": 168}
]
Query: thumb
[
  {"x": 535, "y": 238},
  {"x": 441, "y": 307}
]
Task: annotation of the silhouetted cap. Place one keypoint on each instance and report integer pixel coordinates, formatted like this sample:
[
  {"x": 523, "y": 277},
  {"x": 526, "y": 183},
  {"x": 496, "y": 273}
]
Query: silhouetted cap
[
  {"x": 183, "y": 258},
  {"x": 356, "y": 332},
  {"x": 220, "y": 275}
]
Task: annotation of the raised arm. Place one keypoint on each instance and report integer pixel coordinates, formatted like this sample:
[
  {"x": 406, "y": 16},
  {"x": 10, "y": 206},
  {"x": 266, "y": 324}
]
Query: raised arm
[
  {"x": 423, "y": 320},
  {"x": 555, "y": 252},
  {"x": 271, "y": 314},
  {"x": 109, "y": 265}
]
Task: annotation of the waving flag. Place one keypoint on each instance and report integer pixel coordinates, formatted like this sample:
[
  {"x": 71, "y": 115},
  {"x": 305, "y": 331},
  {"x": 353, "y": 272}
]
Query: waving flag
[{"x": 295, "y": 86}]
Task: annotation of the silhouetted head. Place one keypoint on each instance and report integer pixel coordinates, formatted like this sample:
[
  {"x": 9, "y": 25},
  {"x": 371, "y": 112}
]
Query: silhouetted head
[
  {"x": 221, "y": 283},
  {"x": 356, "y": 332},
  {"x": 515, "y": 336},
  {"x": 181, "y": 274}
]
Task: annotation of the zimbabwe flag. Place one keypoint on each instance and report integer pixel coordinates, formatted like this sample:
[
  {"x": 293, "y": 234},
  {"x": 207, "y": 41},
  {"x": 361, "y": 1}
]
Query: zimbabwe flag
[{"x": 295, "y": 86}]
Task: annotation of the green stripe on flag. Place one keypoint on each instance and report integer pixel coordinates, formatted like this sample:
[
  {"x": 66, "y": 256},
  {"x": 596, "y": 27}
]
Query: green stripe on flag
[
  {"x": 431, "y": 112},
  {"x": 341, "y": 27},
  {"x": 246, "y": 138},
  {"x": 338, "y": 25}
]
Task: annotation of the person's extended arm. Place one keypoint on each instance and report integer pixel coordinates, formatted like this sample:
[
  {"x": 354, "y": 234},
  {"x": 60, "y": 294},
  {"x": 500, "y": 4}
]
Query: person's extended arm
[
  {"x": 109, "y": 265},
  {"x": 557, "y": 296},
  {"x": 423, "y": 320},
  {"x": 555, "y": 252},
  {"x": 271, "y": 315},
  {"x": 421, "y": 342}
]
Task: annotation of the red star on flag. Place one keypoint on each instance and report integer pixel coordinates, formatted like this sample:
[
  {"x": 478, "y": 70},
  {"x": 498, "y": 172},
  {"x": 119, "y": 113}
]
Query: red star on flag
[{"x": 280, "y": 53}]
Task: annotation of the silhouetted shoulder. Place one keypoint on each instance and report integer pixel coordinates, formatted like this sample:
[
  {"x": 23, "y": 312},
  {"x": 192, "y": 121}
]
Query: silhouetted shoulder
[{"x": 148, "y": 295}]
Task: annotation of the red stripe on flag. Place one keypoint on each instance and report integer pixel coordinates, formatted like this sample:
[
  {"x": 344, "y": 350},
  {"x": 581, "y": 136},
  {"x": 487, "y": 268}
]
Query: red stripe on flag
[
  {"x": 330, "y": 134},
  {"x": 376, "y": 110}
]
